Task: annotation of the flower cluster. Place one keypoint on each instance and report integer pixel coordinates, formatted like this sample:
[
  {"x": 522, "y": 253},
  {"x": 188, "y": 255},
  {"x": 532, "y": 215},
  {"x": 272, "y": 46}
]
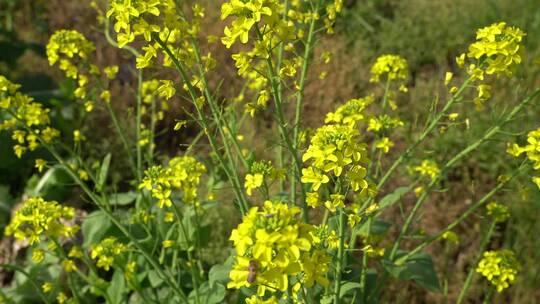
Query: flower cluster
[
  {"x": 532, "y": 150},
  {"x": 428, "y": 168},
  {"x": 183, "y": 173},
  {"x": 148, "y": 20},
  {"x": 71, "y": 51},
  {"x": 38, "y": 218},
  {"x": 28, "y": 119},
  {"x": 351, "y": 112},
  {"x": 334, "y": 150},
  {"x": 272, "y": 245},
  {"x": 499, "y": 212},
  {"x": 393, "y": 67},
  {"x": 260, "y": 171},
  {"x": 107, "y": 251},
  {"x": 69, "y": 48},
  {"x": 499, "y": 267},
  {"x": 496, "y": 51}
]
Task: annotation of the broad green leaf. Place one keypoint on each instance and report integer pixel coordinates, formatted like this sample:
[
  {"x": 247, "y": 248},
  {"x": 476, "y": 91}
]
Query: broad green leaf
[
  {"x": 419, "y": 268},
  {"x": 122, "y": 199},
  {"x": 116, "y": 289},
  {"x": 220, "y": 273},
  {"x": 348, "y": 287},
  {"x": 378, "y": 227},
  {"x": 94, "y": 227},
  {"x": 154, "y": 278},
  {"x": 208, "y": 294},
  {"x": 393, "y": 197}
]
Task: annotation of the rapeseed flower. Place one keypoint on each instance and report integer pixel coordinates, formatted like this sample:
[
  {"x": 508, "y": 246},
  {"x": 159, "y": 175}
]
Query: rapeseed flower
[
  {"x": 38, "y": 219},
  {"x": 499, "y": 268}
]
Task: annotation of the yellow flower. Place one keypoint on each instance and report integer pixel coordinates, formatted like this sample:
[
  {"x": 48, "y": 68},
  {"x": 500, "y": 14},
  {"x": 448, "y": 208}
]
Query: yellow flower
[
  {"x": 312, "y": 199},
  {"x": 47, "y": 286},
  {"x": 384, "y": 144},
  {"x": 106, "y": 252},
  {"x": 37, "y": 218},
  {"x": 69, "y": 265},
  {"x": 499, "y": 268},
  {"x": 271, "y": 245},
  {"x": 40, "y": 164},
  {"x": 428, "y": 168},
  {"x": 451, "y": 237},
  {"x": 38, "y": 255},
  {"x": 447, "y": 78},
  {"x": 393, "y": 66},
  {"x": 253, "y": 181},
  {"x": 167, "y": 243}
]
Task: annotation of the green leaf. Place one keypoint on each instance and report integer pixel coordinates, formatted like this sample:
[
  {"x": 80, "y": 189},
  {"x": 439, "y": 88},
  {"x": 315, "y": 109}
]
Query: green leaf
[
  {"x": 117, "y": 288},
  {"x": 378, "y": 227},
  {"x": 419, "y": 268},
  {"x": 220, "y": 273},
  {"x": 103, "y": 171},
  {"x": 94, "y": 227},
  {"x": 347, "y": 287},
  {"x": 393, "y": 197},
  {"x": 55, "y": 184},
  {"x": 123, "y": 199},
  {"x": 208, "y": 294},
  {"x": 154, "y": 278}
]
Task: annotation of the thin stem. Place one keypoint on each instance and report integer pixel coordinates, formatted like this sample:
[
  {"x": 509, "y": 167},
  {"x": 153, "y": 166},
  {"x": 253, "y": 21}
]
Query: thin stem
[
  {"x": 204, "y": 123},
  {"x": 123, "y": 137},
  {"x": 424, "y": 135},
  {"x": 341, "y": 250},
  {"x": 472, "y": 270},
  {"x": 298, "y": 109},
  {"x": 490, "y": 133},
  {"x": 461, "y": 218},
  {"x": 138, "y": 126},
  {"x": 30, "y": 279},
  {"x": 282, "y": 125}
]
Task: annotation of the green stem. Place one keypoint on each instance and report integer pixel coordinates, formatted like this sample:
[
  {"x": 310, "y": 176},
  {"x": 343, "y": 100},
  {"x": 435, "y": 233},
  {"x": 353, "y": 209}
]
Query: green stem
[
  {"x": 298, "y": 109},
  {"x": 138, "y": 126},
  {"x": 123, "y": 137},
  {"x": 490, "y": 133},
  {"x": 204, "y": 123},
  {"x": 340, "y": 257},
  {"x": 30, "y": 279},
  {"x": 363, "y": 275},
  {"x": 460, "y": 219},
  {"x": 472, "y": 270},
  {"x": 424, "y": 135},
  {"x": 282, "y": 125}
]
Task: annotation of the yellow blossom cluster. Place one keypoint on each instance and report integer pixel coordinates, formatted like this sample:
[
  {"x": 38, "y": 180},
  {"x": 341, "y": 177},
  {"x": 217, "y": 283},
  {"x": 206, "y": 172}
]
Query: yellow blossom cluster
[
  {"x": 71, "y": 51},
  {"x": 152, "y": 20},
  {"x": 392, "y": 67},
  {"x": 107, "y": 251},
  {"x": 274, "y": 29},
  {"x": 496, "y": 51},
  {"x": 273, "y": 245},
  {"x": 182, "y": 173},
  {"x": 351, "y": 112},
  {"x": 260, "y": 171},
  {"x": 499, "y": 268},
  {"x": 335, "y": 150},
  {"x": 498, "y": 211},
  {"x": 38, "y": 218},
  {"x": 531, "y": 149},
  {"x": 428, "y": 168},
  {"x": 27, "y": 119}
]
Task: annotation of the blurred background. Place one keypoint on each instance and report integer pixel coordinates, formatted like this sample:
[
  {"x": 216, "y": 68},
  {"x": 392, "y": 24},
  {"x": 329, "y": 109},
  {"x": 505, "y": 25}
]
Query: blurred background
[{"x": 428, "y": 33}]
